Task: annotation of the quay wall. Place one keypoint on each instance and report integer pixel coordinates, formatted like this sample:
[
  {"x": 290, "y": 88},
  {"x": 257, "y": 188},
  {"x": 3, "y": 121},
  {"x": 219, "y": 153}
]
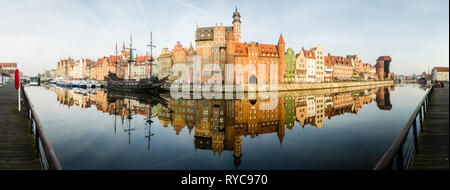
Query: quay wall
[{"x": 293, "y": 87}]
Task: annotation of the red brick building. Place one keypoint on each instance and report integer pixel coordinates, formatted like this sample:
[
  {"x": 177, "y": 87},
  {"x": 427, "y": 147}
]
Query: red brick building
[{"x": 9, "y": 68}]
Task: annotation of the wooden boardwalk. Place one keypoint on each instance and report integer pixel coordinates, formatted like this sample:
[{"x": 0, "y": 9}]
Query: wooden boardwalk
[
  {"x": 432, "y": 151},
  {"x": 17, "y": 147}
]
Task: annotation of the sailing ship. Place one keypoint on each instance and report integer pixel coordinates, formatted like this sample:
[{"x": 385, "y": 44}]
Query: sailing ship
[{"x": 148, "y": 84}]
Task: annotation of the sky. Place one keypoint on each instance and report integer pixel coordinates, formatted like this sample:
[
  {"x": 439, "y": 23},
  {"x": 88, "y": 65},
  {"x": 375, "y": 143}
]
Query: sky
[{"x": 36, "y": 34}]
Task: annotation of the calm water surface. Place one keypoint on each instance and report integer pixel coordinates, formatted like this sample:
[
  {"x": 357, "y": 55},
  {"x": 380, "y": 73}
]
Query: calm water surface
[{"x": 306, "y": 130}]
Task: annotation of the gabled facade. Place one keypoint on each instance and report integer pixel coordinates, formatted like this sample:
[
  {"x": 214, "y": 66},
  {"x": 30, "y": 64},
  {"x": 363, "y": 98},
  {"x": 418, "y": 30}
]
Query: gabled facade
[{"x": 289, "y": 76}]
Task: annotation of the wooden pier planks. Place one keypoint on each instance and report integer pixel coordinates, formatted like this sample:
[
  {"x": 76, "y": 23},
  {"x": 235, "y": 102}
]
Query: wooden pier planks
[
  {"x": 17, "y": 146},
  {"x": 432, "y": 152}
]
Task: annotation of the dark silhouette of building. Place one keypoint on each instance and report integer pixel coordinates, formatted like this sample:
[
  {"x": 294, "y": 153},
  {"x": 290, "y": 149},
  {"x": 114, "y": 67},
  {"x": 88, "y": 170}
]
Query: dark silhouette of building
[{"x": 382, "y": 67}]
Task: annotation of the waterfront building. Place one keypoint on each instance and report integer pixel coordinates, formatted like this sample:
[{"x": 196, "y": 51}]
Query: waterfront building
[
  {"x": 164, "y": 63},
  {"x": 79, "y": 69},
  {"x": 253, "y": 54},
  {"x": 64, "y": 68},
  {"x": 382, "y": 67},
  {"x": 142, "y": 68},
  {"x": 320, "y": 66},
  {"x": 48, "y": 75},
  {"x": 220, "y": 45},
  {"x": 289, "y": 76},
  {"x": 440, "y": 74},
  {"x": 369, "y": 72},
  {"x": 342, "y": 68},
  {"x": 115, "y": 64},
  {"x": 310, "y": 66},
  {"x": 190, "y": 56},
  {"x": 356, "y": 63},
  {"x": 180, "y": 56},
  {"x": 301, "y": 67},
  {"x": 328, "y": 71},
  {"x": 9, "y": 68},
  {"x": 103, "y": 66},
  {"x": 138, "y": 69}
]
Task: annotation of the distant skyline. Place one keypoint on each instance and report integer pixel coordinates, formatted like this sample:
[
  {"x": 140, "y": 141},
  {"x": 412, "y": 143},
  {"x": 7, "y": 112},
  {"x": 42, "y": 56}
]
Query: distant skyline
[{"x": 36, "y": 34}]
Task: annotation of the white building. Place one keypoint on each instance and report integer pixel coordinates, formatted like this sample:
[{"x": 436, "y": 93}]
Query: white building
[
  {"x": 440, "y": 74},
  {"x": 310, "y": 66},
  {"x": 320, "y": 65},
  {"x": 79, "y": 69}
]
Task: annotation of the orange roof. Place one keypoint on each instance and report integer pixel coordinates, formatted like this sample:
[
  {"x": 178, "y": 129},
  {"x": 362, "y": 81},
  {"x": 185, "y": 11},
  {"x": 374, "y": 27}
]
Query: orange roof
[
  {"x": 281, "y": 40},
  {"x": 141, "y": 59},
  {"x": 327, "y": 61},
  {"x": 338, "y": 60},
  {"x": 384, "y": 58},
  {"x": 8, "y": 64},
  {"x": 262, "y": 49},
  {"x": 441, "y": 69},
  {"x": 309, "y": 54}
]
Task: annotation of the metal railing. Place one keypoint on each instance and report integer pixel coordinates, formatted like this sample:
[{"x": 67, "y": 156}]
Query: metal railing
[
  {"x": 45, "y": 151},
  {"x": 401, "y": 153}
]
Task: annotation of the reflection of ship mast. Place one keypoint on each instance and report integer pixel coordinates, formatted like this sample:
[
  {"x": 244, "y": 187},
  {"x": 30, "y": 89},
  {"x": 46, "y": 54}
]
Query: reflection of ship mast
[
  {"x": 115, "y": 117},
  {"x": 129, "y": 117},
  {"x": 149, "y": 127}
]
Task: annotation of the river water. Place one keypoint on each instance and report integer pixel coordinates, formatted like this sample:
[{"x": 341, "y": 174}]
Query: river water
[{"x": 320, "y": 129}]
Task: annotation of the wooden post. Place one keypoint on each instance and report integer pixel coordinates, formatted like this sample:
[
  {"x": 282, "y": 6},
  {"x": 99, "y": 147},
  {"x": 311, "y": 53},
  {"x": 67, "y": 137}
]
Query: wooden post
[
  {"x": 415, "y": 135},
  {"x": 420, "y": 116},
  {"x": 400, "y": 158},
  {"x": 18, "y": 90}
]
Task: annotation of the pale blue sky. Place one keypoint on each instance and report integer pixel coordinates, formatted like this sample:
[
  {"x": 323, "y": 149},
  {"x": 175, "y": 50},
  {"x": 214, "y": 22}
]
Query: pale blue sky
[{"x": 37, "y": 33}]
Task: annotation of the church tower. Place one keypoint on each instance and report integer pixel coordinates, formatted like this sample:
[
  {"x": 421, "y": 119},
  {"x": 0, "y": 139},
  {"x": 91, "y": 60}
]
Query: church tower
[{"x": 237, "y": 25}]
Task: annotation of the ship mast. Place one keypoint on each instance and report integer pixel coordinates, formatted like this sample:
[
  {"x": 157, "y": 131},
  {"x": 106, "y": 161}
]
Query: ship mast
[
  {"x": 115, "y": 58},
  {"x": 150, "y": 59},
  {"x": 130, "y": 60}
]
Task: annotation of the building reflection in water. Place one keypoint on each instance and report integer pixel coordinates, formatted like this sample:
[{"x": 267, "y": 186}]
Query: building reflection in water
[{"x": 220, "y": 125}]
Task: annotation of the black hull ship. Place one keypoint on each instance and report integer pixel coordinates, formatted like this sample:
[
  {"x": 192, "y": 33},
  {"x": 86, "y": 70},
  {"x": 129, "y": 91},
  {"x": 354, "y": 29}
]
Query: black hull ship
[
  {"x": 150, "y": 85},
  {"x": 146, "y": 98}
]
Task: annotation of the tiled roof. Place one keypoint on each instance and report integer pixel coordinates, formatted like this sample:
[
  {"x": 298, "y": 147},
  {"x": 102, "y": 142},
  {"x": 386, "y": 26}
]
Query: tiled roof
[
  {"x": 384, "y": 58},
  {"x": 207, "y": 33},
  {"x": 242, "y": 49},
  {"x": 8, "y": 64},
  {"x": 141, "y": 59},
  {"x": 338, "y": 60},
  {"x": 441, "y": 69},
  {"x": 309, "y": 54},
  {"x": 281, "y": 40},
  {"x": 327, "y": 61}
]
